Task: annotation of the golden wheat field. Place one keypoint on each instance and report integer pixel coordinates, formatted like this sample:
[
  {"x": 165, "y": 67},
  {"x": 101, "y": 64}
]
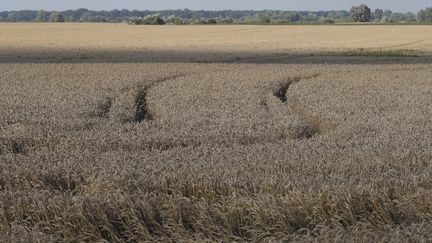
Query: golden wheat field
[
  {"x": 128, "y": 43},
  {"x": 222, "y": 133}
]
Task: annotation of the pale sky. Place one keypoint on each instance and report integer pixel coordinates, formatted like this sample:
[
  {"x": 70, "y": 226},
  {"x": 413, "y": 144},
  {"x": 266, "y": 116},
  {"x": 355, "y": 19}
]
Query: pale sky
[{"x": 395, "y": 5}]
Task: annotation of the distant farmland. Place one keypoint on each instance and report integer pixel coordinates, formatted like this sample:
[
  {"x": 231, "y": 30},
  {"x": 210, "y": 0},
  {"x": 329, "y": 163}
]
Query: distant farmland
[
  {"x": 122, "y": 133},
  {"x": 108, "y": 42}
]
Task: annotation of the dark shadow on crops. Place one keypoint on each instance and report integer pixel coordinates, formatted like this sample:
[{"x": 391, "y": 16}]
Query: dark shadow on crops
[
  {"x": 60, "y": 183},
  {"x": 103, "y": 108},
  {"x": 141, "y": 111},
  {"x": 281, "y": 92},
  {"x": 14, "y": 147},
  {"x": 18, "y": 148},
  {"x": 179, "y": 56},
  {"x": 307, "y": 132},
  {"x": 141, "y": 107},
  {"x": 309, "y": 128}
]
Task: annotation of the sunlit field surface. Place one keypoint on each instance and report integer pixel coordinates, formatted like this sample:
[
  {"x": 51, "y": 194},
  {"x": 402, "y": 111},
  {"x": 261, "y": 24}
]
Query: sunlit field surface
[
  {"x": 130, "y": 43},
  {"x": 221, "y": 133}
]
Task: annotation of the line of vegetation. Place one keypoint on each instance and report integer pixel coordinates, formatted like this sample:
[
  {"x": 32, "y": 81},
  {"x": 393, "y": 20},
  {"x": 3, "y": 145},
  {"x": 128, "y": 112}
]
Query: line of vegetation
[
  {"x": 361, "y": 13},
  {"x": 362, "y": 52}
]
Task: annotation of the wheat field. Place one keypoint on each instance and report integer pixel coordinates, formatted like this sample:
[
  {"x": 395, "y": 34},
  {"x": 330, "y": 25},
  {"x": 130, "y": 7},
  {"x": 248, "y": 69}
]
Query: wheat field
[
  {"x": 113, "y": 42},
  {"x": 93, "y": 150}
]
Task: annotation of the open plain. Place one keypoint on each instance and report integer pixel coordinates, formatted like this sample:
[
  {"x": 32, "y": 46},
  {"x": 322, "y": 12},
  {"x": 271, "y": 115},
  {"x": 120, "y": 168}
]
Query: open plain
[{"x": 115, "y": 133}]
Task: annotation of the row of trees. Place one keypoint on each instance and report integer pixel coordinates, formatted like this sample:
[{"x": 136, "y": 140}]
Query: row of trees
[
  {"x": 184, "y": 15},
  {"x": 360, "y": 13},
  {"x": 44, "y": 16},
  {"x": 363, "y": 13}
]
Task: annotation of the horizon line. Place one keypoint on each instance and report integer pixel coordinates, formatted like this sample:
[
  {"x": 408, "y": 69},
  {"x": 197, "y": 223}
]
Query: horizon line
[{"x": 208, "y": 10}]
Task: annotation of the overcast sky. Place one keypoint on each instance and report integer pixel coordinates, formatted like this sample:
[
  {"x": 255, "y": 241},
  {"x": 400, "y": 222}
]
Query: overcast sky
[{"x": 395, "y": 5}]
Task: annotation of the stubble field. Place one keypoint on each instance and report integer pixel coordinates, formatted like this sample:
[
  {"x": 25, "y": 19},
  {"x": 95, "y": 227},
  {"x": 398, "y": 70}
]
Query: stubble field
[{"x": 223, "y": 133}]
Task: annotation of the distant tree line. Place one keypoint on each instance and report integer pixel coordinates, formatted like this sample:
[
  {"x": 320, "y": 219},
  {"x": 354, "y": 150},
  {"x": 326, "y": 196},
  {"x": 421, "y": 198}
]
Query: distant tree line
[
  {"x": 363, "y": 13},
  {"x": 360, "y": 13}
]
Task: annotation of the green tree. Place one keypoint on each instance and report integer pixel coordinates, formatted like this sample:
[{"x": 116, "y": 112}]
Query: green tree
[
  {"x": 396, "y": 18},
  {"x": 425, "y": 15},
  {"x": 154, "y": 19},
  {"x": 228, "y": 21},
  {"x": 361, "y": 13},
  {"x": 293, "y": 17},
  {"x": 264, "y": 19},
  {"x": 174, "y": 20},
  {"x": 212, "y": 21},
  {"x": 387, "y": 13},
  {"x": 12, "y": 17},
  {"x": 70, "y": 19},
  {"x": 85, "y": 17},
  {"x": 56, "y": 17},
  {"x": 42, "y": 16},
  {"x": 327, "y": 21},
  {"x": 410, "y": 17},
  {"x": 378, "y": 15}
]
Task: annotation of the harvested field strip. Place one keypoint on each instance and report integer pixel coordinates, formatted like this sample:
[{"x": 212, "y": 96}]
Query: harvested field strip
[{"x": 247, "y": 41}]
